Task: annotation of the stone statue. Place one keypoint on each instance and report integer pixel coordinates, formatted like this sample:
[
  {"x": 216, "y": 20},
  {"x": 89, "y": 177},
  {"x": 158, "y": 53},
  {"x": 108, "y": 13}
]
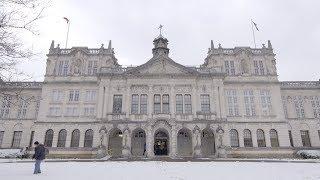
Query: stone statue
[{"x": 244, "y": 66}]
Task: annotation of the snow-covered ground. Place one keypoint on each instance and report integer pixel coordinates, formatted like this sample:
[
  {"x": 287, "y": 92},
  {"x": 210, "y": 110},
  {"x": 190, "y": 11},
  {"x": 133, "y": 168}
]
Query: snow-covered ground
[{"x": 161, "y": 171}]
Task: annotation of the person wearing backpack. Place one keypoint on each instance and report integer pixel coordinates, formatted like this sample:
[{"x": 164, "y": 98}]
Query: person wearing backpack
[{"x": 39, "y": 155}]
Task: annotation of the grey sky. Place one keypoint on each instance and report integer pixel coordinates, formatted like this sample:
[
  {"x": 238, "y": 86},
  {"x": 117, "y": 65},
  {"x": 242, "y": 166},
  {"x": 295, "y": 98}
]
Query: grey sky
[{"x": 292, "y": 26}]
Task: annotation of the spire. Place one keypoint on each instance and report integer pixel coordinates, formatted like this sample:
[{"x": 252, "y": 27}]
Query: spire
[
  {"x": 52, "y": 44},
  {"x": 212, "y": 46},
  {"x": 269, "y": 44},
  {"x": 110, "y": 46}
]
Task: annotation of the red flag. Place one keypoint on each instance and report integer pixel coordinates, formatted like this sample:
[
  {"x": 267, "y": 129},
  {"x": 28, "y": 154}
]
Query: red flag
[{"x": 67, "y": 20}]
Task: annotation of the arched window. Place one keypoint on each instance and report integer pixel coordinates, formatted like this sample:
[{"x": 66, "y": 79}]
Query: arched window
[
  {"x": 274, "y": 138},
  {"x": 247, "y": 138},
  {"x": 75, "y": 137},
  {"x": 62, "y": 138},
  {"x": 88, "y": 138},
  {"x": 48, "y": 138},
  {"x": 260, "y": 138},
  {"x": 234, "y": 138}
]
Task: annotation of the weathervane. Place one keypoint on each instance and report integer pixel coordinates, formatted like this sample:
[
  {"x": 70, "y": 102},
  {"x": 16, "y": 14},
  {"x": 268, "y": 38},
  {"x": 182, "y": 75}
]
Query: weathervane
[{"x": 160, "y": 27}]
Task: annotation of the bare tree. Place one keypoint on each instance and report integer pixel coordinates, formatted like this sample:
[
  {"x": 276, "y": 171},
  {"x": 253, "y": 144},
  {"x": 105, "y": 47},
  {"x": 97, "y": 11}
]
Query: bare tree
[{"x": 17, "y": 17}]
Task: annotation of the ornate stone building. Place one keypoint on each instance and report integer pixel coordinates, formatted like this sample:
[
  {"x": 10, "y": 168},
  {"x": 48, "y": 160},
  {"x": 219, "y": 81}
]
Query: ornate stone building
[{"x": 231, "y": 105}]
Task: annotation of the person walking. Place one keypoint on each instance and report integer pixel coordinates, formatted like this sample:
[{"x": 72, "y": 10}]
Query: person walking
[{"x": 39, "y": 155}]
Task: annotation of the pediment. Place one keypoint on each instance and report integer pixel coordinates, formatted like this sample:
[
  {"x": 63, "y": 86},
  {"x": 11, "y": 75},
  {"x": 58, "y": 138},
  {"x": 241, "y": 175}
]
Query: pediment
[{"x": 162, "y": 65}]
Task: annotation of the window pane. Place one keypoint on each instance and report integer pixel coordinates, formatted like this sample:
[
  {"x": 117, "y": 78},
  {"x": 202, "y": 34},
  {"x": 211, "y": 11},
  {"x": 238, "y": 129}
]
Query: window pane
[
  {"x": 205, "y": 103},
  {"x": 117, "y": 103},
  {"x": 247, "y": 138},
  {"x": 179, "y": 104},
  {"x": 62, "y": 136},
  {"x": 135, "y": 104},
  {"x": 187, "y": 104},
  {"x": 48, "y": 138},
  {"x": 234, "y": 138},
  {"x": 75, "y": 138},
  {"x": 305, "y": 138},
  {"x": 274, "y": 138},
  {"x": 143, "y": 104},
  {"x": 165, "y": 104},
  {"x": 16, "y": 139},
  {"x": 88, "y": 138},
  {"x": 157, "y": 104},
  {"x": 260, "y": 138}
]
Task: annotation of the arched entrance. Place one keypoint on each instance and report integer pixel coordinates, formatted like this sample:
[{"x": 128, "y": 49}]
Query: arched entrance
[
  {"x": 115, "y": 143},
  {"x": 184, "y": 143},
  {"x": 138, "y": 142},
  {"x": 161, "y": 143},
  {"x": 207, "y": 143}
]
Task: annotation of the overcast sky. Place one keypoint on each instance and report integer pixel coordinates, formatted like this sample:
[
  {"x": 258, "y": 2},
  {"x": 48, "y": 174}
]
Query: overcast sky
[{"x": 292, "y": 26}]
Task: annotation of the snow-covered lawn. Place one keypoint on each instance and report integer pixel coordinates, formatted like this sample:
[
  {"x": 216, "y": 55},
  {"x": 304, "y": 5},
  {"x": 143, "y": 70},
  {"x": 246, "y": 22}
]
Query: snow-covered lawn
[{"x": 161, "y": 171}]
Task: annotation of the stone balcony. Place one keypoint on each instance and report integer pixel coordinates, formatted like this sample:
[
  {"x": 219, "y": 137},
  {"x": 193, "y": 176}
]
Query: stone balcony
[
  {"x": 206, "y": 115},
  {"x": 116, "y": 116}
]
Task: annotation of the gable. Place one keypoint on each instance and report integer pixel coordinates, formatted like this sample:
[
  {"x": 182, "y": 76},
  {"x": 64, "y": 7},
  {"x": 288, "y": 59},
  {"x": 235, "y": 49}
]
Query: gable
[{"x": 162, "y": 65}]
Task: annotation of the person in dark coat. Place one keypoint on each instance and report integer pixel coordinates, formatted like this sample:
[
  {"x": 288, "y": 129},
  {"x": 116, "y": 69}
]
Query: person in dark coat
[{"x": 39, "y": 155}]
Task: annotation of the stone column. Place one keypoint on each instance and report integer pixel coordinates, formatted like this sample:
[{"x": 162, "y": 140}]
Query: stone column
[
  {"x": 101, "y": 100},
  {"x": 150, "y": 102},
  {"x": 254, "y": 138},
  {"x": 196, "y": 142},
  {"x": 126, "y": 144},
  {"x": 149, "y": 143},
  {"x": 173, "y": 142},
  {"x": 55, "y": 137},
  {"x": 172, "y": 97}
]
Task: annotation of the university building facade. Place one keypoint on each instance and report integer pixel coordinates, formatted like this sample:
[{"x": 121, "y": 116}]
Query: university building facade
[{"x": 232, "y": 105}]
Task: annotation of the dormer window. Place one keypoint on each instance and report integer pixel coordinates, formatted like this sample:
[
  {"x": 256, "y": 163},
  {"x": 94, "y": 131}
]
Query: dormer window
[
  {"x": 92, "y": 67},
  {"x": 258, "y": 68}
]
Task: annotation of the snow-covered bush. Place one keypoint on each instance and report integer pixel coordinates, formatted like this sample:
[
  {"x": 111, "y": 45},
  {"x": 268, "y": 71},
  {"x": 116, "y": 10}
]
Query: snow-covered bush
[
  {"x": 309, "y": 154},
  {"x": 11, "y": 153}
]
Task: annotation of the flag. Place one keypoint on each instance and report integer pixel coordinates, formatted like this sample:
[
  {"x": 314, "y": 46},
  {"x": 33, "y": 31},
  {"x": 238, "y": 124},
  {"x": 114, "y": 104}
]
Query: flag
[
  {"x": 67, "y": 20},
  {"x": 255, "y": 25}
]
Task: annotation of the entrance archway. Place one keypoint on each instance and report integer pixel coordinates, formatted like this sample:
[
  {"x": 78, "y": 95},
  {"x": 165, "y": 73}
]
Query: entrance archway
[
  {"x": 138, "y": 142},
  {"x": 161, "y": 143},
  {"x": 115, "y": 143},
  {"x": 207, "y": 143},
  {"x": 184, "y": 143}
]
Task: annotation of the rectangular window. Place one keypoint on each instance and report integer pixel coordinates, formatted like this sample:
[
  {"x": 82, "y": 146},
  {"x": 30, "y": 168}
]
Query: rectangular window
[
  {"x": 187, "y": 104},
  {"x": 143, "y": 104},
  {"x": 305, "y": 138},
  {"x": 31, "y": 138},
  {"x": 92, "y": 67},
  {"x": 290, "y": 138},
  {"x": 5, "y": 106},
  {"x": 71, "y": 111},
  {"x": 205, "y": 103},
  {"x": 16, "y": 139},
  {"x": 54, "y": 111},
  {"x": 157, "y": 104},
  {"x": 229, "y": 67},
  {"x": 249, "y": 102},
  {"x": 232, "y": 101},
  {"x": 135, "y": 104},
  {"x": 74, "y": 95},
  {"x": 89, "y": 111},
  {"x": 179, "y": 104},
  {"x": 258, "y": 68},
  {"x": 299, "y": 106},
  {"x": 22, "y": 108},
  {"x": 90, "y": 96},
  {"x": 57, "y": 96},
  {"x": 266, "y": 102},
  {"x": 165, "y": 104},
  {"x": 1, "y": 138},
  {"x": 63, "y": 68},
  {"x": 117, "y": 104},
  {"x": 315, "y": 103}
]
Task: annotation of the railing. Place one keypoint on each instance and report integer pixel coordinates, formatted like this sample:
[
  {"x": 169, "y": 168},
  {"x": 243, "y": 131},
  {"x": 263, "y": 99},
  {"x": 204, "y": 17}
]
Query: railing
[
  {"x": 300, "y": 84},
  {"x": 20, "y": 84},
  {"x": 86, "y": 49}
]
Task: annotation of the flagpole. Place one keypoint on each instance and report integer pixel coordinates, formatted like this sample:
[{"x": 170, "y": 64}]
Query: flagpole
[
  {"x": 67, "y": 34},
  {"x": 254, "y": 37}
]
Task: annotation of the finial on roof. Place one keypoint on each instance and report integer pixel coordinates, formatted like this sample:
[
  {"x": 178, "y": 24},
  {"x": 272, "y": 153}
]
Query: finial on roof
[
  {"x": 110, "y": 46},
  {"x": 52, "y": 44},
  {"x": 102, "y": 46},
  {"x": 263, "y": 46},
  {"x": 220, "y": 46},
  {"x": 160, "y": 29},
  {"x": 212, "y": 45},
  {"x": 269, "y": 44},
  {"x": 58, "y": 46}
]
